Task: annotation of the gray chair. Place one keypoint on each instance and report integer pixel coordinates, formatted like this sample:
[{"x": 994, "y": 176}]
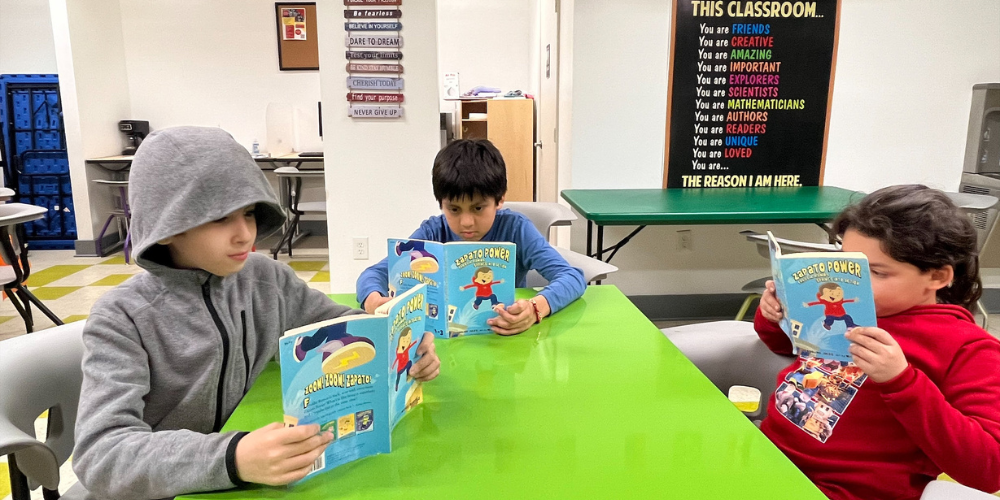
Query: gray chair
[
  {"x": 544, "y": 216},
  {"x": 755, "y": 288},
  {"x": 730, "y": 353},
  {"x": 38, "y": 372},
  {"x": 290, "y": 181},
  {"x": 593, "y": 269},
  {"x": 982, "y": 211},
  {"x": 947, "y": 490}
]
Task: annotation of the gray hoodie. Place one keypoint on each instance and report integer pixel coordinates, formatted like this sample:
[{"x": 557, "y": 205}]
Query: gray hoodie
[{"x": 171, "y": 352}]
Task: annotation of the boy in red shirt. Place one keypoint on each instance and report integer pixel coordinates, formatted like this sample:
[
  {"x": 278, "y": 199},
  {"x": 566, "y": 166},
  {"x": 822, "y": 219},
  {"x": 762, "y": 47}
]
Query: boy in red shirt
[{"x": 929, "y": 401}]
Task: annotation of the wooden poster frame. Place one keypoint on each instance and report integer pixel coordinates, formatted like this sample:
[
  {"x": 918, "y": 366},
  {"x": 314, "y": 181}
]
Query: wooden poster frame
[{"x": 298, "y": 55}]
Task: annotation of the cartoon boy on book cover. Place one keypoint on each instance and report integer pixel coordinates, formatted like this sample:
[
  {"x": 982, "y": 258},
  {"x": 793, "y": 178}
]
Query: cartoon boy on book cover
[
  {"x": 402, "y": 362},
  {"x": 482, "y": 280},
  {"x": 341, "y": 350},
  {"x": 831, "y": 297}
]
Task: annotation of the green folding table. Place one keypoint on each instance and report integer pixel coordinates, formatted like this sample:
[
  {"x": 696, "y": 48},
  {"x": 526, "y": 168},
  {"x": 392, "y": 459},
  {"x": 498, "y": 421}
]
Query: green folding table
[
  {"x": 642, "y": 207},
  {"x": 592, "y": 403}
]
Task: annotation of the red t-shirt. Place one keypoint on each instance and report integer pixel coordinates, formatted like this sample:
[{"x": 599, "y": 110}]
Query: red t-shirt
[
  {"x": 484, "y": 290},
  {"x": 402, "y": 358},
  {"x": 835, "y": 309},
  {"x": 941, "y": 414}
]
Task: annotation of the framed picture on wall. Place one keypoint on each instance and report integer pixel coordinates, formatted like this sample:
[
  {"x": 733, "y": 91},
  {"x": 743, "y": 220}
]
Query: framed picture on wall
[{"x": 298, "y": 47}]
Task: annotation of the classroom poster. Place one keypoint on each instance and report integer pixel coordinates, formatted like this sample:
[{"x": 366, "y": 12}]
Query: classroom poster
[
  {"x": 749, "y": 93},
  {"x": 293, "y": 23}
]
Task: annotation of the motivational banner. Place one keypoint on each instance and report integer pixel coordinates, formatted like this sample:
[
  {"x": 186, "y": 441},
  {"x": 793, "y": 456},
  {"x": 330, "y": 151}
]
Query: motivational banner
[
  {"x": 749, "y": 96},
  {"x": 394, "y": 26},
  {"x": 374, "y": 97},
  {"x": 375, "y": 112},
  {"x": 374, "y": 68},
  {"x": 381, "y": 42},
  {"x": 374, "y": 83},
  {"x": 374, "y": 54},
  {"x": 372, "y": 13}
]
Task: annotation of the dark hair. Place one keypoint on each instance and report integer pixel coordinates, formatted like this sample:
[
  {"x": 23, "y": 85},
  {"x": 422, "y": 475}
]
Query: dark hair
[
  {"x": 482, "y": 270},
  {"x": 828, "y": 286},
  {"x": 921, "y": 226},
  {"x": 469, "y": 167}
]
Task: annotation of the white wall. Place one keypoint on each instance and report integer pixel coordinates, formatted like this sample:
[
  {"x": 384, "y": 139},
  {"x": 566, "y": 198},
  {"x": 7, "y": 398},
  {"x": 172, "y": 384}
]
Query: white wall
[
  {"x": 488, "y": 43},
  {"x": 619, "y": 92},
  {"x": 192, "y": 62},
  {"x": 901, "y": 100},
  {"x": 26, "y": 44},
  {"x": 193, "y": 69},
  {"x": 379, "y": 187},
  {"x": 90, "y": 56},
  {"x": 903, "y": 89}
]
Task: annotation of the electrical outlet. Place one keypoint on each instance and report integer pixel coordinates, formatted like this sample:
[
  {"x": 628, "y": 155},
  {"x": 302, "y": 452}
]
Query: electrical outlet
[
  {"x": 684, "y": 240},
  {"x": 359, "y": 248}
]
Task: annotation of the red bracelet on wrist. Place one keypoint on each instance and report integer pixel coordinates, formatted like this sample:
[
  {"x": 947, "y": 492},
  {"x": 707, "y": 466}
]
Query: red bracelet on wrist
[{"x": 534, "y": 305}]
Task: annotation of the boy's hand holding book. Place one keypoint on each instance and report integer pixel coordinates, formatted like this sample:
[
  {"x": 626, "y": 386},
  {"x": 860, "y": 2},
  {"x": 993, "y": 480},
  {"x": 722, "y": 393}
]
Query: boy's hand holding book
[
  {"x": 276, "y": 455},
  {"x": 876, "y": 353},
  {"x": 373, "y": 301},
  {"x": 770, "y": 307},
  {"x": 429, "y": 365}
]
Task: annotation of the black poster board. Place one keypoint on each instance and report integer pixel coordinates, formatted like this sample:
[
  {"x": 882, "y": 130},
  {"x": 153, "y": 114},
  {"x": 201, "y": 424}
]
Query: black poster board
[{"x": 749, "y": 97}]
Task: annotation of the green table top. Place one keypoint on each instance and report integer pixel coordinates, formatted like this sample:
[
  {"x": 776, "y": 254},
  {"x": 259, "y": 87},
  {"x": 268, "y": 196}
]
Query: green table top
[
  {"x": 592, "y": 403},
  {"x": 710, "y": 206}
]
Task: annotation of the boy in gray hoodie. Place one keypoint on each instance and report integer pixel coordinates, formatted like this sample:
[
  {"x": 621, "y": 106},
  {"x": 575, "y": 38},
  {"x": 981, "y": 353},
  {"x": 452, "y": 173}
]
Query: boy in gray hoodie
[{"x": 172, "y": 351}]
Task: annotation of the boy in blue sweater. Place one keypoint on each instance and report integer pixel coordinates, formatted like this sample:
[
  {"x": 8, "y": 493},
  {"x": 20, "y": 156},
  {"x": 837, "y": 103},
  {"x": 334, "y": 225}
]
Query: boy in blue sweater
[{"x": 470, "y": 182}]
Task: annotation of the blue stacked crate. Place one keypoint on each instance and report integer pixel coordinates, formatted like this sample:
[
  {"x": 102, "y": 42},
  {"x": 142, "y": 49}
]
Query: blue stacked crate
[
  {"x": 36, "y": 147},
  {"x": 69, "y": 219}
]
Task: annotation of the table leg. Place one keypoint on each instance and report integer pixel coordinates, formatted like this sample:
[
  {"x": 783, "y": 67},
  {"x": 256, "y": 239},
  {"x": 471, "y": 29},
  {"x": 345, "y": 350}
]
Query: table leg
[
  {"x": 284, "y": 187},
  {"x": 828, "y": 229},
  {"x": 22, "y": 294},
  {"x": 38, "y": 303},
  {"x": 600, "y": 243},
  {"x": 100, "y": 236},
  {"x": 600, "y": 246},
  {"x": 16, "y": 302},
  {"x": 590, "y": 236},
  {"x": 16, "y": 289}
]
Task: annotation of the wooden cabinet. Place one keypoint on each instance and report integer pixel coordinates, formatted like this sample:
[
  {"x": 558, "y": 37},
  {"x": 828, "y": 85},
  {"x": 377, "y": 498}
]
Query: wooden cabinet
[{"x": 510, "y": 125}]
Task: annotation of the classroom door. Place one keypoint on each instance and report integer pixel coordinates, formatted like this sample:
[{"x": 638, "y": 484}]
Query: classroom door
[{"x": 547, "y": 104}]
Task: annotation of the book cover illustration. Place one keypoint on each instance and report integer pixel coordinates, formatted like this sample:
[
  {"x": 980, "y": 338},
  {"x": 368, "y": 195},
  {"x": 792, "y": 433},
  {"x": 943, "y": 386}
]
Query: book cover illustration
[
  {"x": 466, "y": 281},
  {"x": 351, "y": 376},
  {"x": 823, "y": 294}
]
